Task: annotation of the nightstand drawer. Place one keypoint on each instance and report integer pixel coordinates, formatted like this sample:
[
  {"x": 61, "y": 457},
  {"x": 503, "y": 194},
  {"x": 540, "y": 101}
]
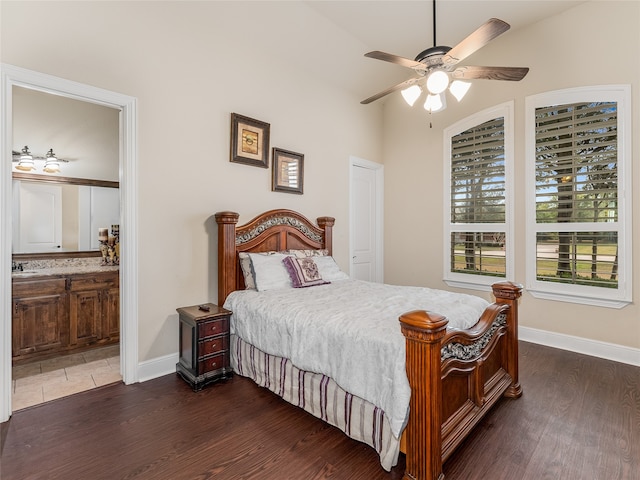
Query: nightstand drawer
[
  {"x": 213, "y": 345},
  {"x": 213, "y": 363},
  {"x": 213, "y": 327}
]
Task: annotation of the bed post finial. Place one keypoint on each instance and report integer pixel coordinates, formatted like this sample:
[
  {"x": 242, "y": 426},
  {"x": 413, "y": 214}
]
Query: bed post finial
[
  {"x": 423, "y": 332},
  {"x": 326, "y": 224},
  {"x": 508, "y": 293},
  {"x": 226, "y": 254}
]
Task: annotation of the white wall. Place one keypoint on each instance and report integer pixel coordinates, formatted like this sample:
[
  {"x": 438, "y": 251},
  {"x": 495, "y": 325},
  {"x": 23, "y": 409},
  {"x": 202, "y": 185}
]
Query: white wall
[
  {"x": 190, "y": 64},
  {"x": 595, "y": 43}
]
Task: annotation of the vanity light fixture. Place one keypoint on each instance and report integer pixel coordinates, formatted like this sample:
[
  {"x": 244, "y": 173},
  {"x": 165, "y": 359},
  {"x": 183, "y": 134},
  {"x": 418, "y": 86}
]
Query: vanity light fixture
[
  {"x": 26, "y": 161},
  {"x": 51, "y": 164}
]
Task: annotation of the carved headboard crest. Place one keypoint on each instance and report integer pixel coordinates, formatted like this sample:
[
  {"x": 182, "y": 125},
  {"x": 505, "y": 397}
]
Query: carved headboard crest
[{"x": 275, "y": 221}]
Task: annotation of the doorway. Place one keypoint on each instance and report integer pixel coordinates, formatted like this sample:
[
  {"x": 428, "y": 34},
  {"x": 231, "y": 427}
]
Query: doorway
[
  {"x": 366, "y": 220},
  {"x": 128, "y": 351}
]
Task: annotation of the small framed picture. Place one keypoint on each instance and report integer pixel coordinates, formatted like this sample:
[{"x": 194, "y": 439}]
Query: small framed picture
[
  {"x": 249, "y": 141},
  {"x": 288, "y": 171}
]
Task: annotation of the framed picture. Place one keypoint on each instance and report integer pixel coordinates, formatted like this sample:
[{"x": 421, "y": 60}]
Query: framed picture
[
  {"x": 288, "y": 171},
  {"x": 249, "y": 141}
]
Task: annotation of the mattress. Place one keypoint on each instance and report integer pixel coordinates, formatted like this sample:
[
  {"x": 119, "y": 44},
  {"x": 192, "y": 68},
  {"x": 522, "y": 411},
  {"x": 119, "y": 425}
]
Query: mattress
[{"x": 348, "y": 331}]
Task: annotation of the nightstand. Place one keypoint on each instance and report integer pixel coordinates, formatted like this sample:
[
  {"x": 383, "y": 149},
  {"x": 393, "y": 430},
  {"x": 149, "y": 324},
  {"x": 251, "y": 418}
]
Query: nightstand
[{"x": 204, "y": 345}]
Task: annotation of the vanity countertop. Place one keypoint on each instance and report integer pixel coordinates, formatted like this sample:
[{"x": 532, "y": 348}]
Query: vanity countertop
[
  {"x": 43, "y": 272},
  {"x": 67, "y": 266}
]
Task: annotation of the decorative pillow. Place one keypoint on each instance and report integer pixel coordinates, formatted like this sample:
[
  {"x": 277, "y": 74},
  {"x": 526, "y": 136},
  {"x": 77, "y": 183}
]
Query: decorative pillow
[
  {"x": 245, "y": 266},
  {"x": 269, "y": 272},
  {"x": 303, "y": 272},
  {"x": 308, "y": 253},
  {"x": 329, "y": 269}
]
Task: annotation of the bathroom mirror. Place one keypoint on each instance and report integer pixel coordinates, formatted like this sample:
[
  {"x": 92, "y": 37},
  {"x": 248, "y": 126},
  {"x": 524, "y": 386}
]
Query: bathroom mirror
[{"x": 60, "y": 213}]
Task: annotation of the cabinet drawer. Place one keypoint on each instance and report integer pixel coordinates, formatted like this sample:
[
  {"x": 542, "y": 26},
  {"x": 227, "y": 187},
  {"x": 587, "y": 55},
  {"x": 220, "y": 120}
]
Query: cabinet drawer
[
  {"x": 93, "y": 282},
  {"x": 213, "y": 345},
  {"x": 212, "y": 363},
  {"x": 213, "y": 327},
  {"x": 42, "y": 287}
]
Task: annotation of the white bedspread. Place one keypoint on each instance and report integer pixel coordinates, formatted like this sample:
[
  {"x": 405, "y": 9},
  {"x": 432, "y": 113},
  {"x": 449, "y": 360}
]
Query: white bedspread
[{"x": 348, "y": 330}]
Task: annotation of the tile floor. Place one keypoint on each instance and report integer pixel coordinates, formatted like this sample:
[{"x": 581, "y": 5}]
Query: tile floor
[{"x": 46, "y": 380}]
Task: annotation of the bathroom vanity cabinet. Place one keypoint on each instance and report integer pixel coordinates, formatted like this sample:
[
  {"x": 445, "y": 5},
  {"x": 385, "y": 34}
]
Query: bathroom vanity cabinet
[{"x": 53, "y": 314}]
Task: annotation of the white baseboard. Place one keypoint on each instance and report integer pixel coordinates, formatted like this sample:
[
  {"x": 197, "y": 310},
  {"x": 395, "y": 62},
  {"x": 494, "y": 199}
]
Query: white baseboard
[
  {"x": 157, "y": 367},
  {"x": 610, "y": 351}
]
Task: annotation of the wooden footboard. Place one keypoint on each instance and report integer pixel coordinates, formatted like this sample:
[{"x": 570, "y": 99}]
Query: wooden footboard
[{"x": 455, "y": 377}]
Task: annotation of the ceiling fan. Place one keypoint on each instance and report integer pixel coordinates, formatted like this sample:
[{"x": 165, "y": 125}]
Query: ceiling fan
[{"x": 438, "y": 65}]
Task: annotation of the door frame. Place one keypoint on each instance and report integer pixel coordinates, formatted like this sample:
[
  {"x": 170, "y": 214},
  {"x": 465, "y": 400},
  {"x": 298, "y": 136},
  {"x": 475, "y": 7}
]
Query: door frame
[
  {"x": 11, "y": 76},
  {"x": 378, "y": 169}
]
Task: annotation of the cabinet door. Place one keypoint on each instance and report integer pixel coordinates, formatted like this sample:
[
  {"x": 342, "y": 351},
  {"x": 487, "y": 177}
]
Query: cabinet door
[
  {"x": 111, "y": 313},
  {"x": 85, "y": 315},
  {"x": 39, "y": 324}
]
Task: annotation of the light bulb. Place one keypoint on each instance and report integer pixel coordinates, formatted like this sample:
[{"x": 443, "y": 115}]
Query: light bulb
[
  {"x": 411, "y": 94},
  {"x": 437, "y": 82},
  {"x": 459, "y": 89}
]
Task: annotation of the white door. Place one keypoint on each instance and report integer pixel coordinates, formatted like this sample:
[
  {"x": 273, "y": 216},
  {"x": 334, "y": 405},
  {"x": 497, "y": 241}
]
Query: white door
[
  {"x": 40, "y": 214},
  {"x": 366, "y": 220}
]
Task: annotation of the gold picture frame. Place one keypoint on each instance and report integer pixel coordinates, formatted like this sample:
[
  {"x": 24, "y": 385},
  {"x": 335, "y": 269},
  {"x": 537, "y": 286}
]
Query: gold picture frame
[
  {"x": 249, "y": 141},
  {"x": 288, "y": 171}
]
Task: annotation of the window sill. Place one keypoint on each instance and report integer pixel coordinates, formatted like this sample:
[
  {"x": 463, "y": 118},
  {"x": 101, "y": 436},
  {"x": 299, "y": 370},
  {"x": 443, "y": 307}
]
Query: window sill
[
  {"x": 473, "y": 285},
  {"x": 582, "y": 300}
]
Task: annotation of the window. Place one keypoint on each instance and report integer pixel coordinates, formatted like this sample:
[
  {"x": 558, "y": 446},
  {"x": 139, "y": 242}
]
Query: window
[
  {"x": 578, "y": 159},
  {"x": 478, "y": 230}
]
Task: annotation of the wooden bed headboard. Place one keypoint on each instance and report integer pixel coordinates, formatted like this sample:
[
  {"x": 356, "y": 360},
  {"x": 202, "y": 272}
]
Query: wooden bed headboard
[{"x": 275, "y": 230}]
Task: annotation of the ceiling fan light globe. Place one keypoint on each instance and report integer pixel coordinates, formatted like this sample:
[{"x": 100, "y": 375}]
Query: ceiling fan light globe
[
  {"x": 437, "y": 82},
  {"x": 411, "y": 94},
  {"x": 435, "y": 103},
  {"x": 459, "y": 89}
]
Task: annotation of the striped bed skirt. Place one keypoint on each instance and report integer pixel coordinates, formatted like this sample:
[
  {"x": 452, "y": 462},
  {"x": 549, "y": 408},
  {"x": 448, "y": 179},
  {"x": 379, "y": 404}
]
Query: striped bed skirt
[{"x": 320, "y": 396}]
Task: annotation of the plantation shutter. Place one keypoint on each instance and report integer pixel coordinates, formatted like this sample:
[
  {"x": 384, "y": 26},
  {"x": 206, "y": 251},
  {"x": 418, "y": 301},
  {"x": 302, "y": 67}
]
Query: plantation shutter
[
  {"x": 478, "y": 174},
  {"x": 576, "y": 163}
]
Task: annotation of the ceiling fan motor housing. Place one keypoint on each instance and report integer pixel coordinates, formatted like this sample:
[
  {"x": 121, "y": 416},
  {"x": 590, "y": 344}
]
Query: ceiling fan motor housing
[{"x": 432, "y": 56}]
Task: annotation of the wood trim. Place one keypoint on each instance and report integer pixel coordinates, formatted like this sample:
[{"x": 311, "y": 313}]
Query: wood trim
[
  {"x": 35, "y": 177},
  {"x": 24, "y": 257}
]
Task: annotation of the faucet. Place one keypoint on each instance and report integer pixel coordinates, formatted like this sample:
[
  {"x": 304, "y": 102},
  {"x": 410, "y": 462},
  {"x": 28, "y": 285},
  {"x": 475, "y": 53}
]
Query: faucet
[{"x": 16, "y": 266}]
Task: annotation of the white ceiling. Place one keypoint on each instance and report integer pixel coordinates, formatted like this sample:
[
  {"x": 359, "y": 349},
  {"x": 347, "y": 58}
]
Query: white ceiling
[{"x": 403, "y": 28}]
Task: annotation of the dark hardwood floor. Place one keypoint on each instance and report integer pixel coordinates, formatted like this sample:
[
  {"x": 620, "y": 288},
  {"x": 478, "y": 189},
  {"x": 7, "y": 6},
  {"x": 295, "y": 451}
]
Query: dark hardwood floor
[{"x": 579, "y": 419}]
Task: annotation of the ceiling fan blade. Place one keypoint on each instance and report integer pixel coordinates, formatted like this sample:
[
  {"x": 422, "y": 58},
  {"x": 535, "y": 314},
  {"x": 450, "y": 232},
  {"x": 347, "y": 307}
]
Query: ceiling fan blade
[
  {"x": 404, "y": 62},
  {"x": 491, "y": 73},
  {"x": 400, "y": 86},
  {"x": 474, "y": 42}
]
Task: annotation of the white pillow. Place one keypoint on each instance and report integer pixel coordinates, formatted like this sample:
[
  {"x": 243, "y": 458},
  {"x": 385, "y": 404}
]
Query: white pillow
[
  {"x": 329, "y": 269},
  {"x": 269, "y": 272}
]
